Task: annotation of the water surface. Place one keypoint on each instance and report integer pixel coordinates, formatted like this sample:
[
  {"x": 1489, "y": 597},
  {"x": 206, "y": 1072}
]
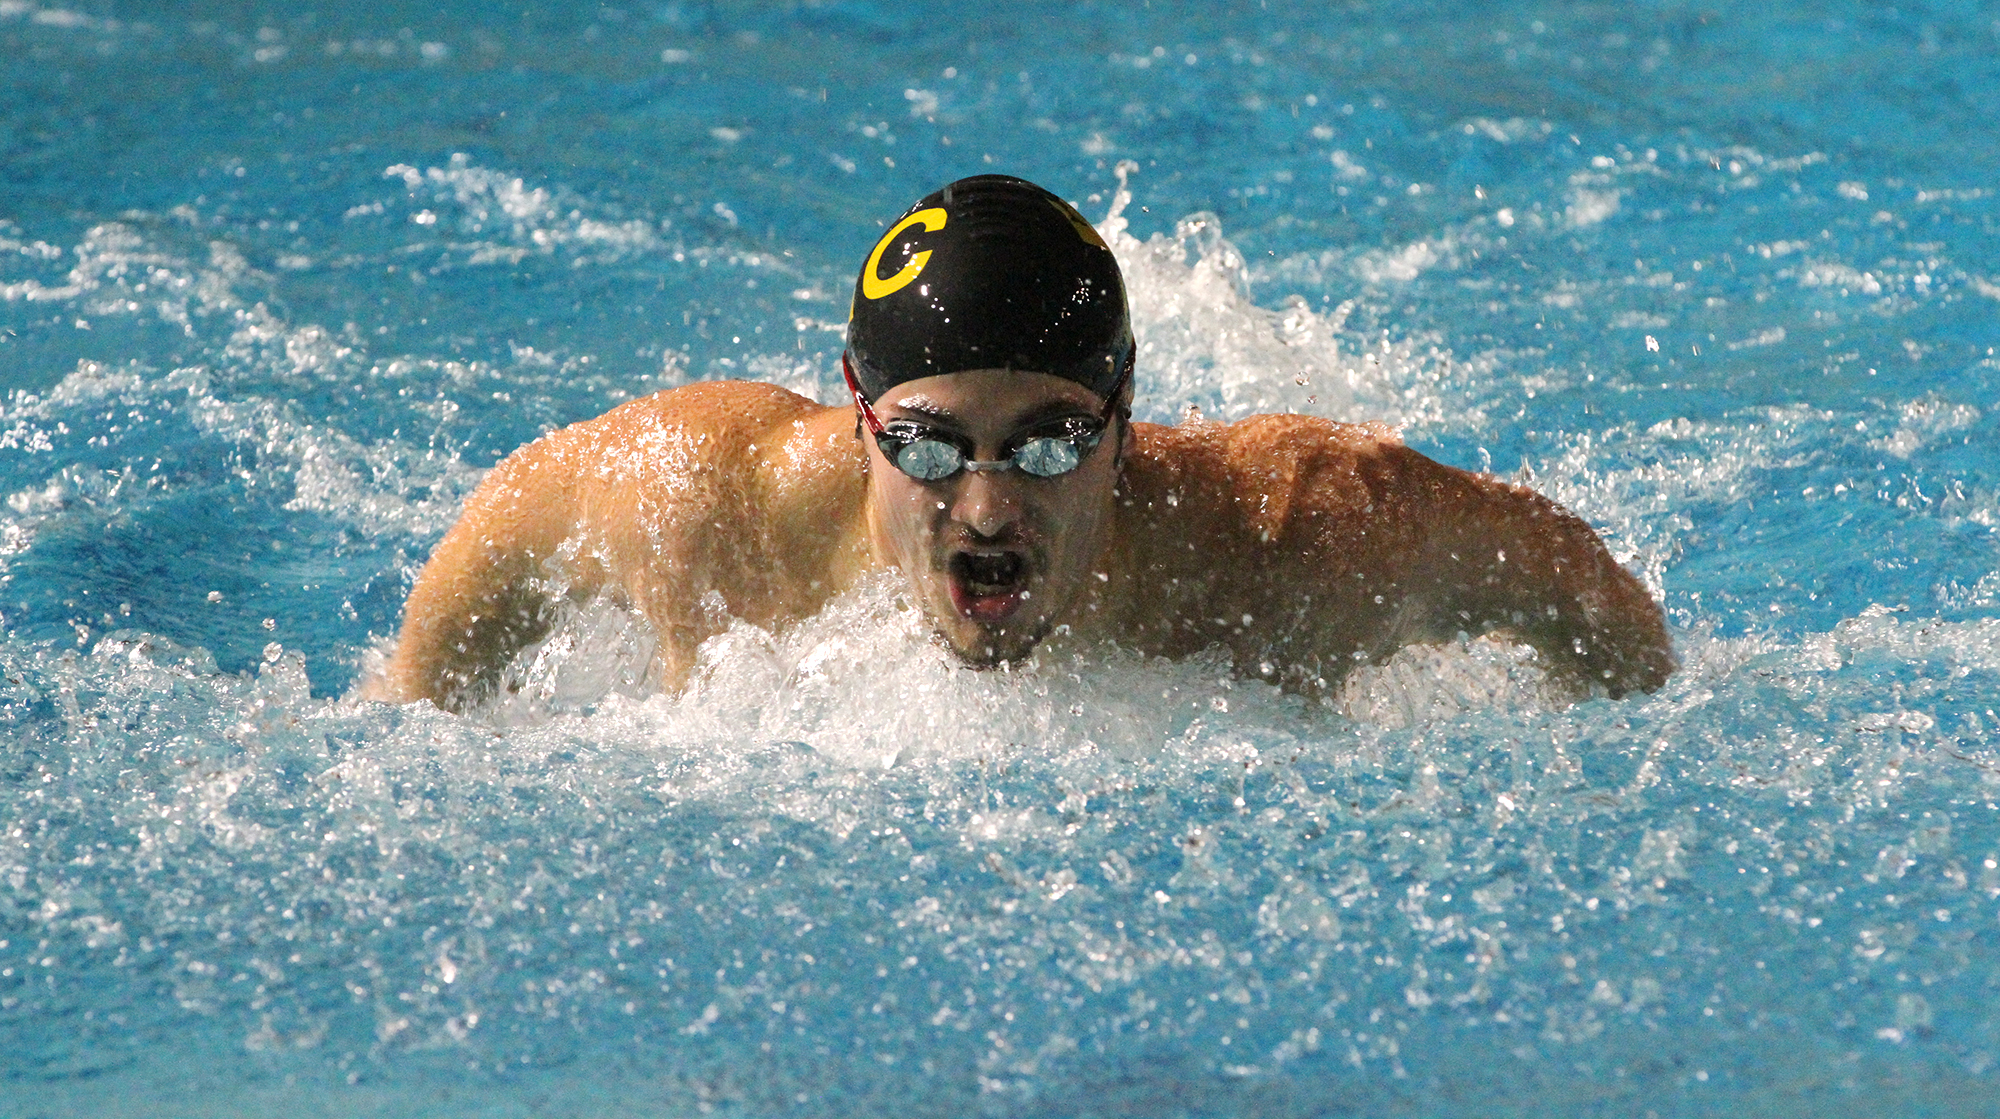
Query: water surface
[{"x": 277, "y": 289}]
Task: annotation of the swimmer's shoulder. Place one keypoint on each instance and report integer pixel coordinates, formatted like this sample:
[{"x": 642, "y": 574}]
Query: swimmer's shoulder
[
  {"x": 735, "y": 413},
  {"x": 714, "y": 450},
  {"x": 1244, "y": 517},
  {"x": 1267, "y": 455},
  {"x": 699, "y": 428},
  {"x": 1262, "y": 438}
]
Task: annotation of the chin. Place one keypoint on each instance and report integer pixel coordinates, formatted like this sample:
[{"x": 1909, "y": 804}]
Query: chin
[
  {"x": 991, "y": 617},
  {"x": 982, "y": 648}
]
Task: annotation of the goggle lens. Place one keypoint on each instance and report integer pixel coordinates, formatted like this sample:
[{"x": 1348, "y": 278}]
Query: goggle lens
[
  {"x": 929, "y": 460},
  {"x": 1048, "y": 456},
  {"x": 928, "y": 457}
]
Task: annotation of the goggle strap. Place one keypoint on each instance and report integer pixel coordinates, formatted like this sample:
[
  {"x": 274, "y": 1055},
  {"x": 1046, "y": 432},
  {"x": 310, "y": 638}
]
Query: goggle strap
[
  {"x": 860, "y": 398},
  {"x": 1117, "y": 386}
]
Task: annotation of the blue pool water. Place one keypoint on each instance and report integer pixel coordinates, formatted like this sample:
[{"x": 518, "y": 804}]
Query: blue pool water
[{"x": 276, "y": 289}]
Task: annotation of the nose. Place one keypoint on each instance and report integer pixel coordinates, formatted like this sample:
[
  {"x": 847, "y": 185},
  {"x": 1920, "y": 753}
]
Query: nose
[{"x": 985, "y": 502}]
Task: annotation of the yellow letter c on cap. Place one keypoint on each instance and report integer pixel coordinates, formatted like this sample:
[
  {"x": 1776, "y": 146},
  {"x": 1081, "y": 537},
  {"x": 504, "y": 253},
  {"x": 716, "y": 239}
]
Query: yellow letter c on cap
[{"x": 872, "y": 284}]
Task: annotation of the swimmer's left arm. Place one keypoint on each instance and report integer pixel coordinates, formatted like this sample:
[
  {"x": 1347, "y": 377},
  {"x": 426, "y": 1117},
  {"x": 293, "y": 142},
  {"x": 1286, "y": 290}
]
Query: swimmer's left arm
[
  {"x": 1507, "y": 558},
  {"x": 1500, "y": 557}
]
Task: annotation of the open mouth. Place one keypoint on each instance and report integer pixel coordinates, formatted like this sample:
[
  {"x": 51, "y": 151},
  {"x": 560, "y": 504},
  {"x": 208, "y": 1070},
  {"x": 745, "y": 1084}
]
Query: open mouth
[{"x": 988, "y": 586}]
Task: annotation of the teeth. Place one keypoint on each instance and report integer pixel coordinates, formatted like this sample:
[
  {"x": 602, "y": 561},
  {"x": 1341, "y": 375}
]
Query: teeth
[{"x": 989, "y": 573}]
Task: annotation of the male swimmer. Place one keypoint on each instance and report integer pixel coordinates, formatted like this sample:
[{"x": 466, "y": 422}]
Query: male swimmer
[{"x": 989, "y": 456}]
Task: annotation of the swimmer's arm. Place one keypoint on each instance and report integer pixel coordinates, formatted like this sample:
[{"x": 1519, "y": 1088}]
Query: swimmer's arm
[
  {"x": 482, "y": 597},
  {"x": 1502, "y": 558},
  {"x": 657, "y": 503}
]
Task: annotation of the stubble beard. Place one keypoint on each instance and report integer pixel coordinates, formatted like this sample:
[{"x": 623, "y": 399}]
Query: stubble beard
[
  {"x": 999, "y": 645},
  {"x": 987, "y": 645}
]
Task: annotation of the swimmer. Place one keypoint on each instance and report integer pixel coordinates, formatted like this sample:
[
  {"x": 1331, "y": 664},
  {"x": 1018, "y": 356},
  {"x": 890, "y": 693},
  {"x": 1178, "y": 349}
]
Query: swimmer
[{"x": 988, "y": 455}]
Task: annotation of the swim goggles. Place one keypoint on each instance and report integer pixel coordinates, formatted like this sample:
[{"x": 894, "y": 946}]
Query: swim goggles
[{"x": 1046, "y": 450}]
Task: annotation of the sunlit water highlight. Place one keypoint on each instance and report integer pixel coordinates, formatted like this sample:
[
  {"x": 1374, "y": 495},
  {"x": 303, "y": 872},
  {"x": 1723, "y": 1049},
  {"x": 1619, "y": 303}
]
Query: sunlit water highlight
[{"x": 274, "y": 296}]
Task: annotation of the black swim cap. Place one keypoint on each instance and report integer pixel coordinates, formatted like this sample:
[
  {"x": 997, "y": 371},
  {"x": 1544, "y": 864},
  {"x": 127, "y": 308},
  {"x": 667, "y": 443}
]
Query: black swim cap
[{"x": 992, "y": 272}]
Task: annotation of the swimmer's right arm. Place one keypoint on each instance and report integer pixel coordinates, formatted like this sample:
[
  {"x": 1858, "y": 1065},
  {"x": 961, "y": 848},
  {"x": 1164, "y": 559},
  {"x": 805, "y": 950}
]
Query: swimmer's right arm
[
  {"x": 482, "y": 596},
  {"x": 720, "y": 488}
]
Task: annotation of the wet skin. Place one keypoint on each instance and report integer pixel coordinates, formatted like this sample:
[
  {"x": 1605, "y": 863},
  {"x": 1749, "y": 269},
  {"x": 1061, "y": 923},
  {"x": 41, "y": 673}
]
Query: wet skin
[
  {"x": 1302, "y": 546},
  {"x": 996, "y": 558}
]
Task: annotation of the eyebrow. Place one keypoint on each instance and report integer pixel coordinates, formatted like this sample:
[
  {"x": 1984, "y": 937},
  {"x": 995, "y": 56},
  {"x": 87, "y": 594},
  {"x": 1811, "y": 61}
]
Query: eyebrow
[{"x": 1047, "y": 410}]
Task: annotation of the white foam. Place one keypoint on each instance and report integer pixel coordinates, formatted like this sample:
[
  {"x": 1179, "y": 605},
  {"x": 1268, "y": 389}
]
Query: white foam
[
  {"x": 1923, "y": 421},
  {"x": 1589, "y": 205},
  {"x": 65, "y": 19},
  {"x": 1203, "y": 340},
  {"x": 386, "y": 486},
  {"x": 504, "y": 220},
  {"x": 865, "y": 684}
]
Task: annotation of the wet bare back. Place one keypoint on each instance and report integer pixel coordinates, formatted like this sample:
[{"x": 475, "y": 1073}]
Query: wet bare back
[
  {"x": 1303, "y": 545},
  {"x": 1307, "y": 547}
]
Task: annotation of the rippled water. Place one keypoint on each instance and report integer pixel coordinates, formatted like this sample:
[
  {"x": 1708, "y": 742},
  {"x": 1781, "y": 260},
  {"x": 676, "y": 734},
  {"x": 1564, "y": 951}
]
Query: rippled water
[{"x": 275, "y": 292}]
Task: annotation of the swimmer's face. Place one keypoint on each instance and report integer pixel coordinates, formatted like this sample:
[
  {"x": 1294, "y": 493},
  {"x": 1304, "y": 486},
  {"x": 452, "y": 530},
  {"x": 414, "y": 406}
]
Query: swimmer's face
[{"x": 998, "y": 559}]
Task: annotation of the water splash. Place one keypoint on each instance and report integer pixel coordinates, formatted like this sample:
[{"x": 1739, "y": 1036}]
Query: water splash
[{"x": 1204, "y": 343}]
